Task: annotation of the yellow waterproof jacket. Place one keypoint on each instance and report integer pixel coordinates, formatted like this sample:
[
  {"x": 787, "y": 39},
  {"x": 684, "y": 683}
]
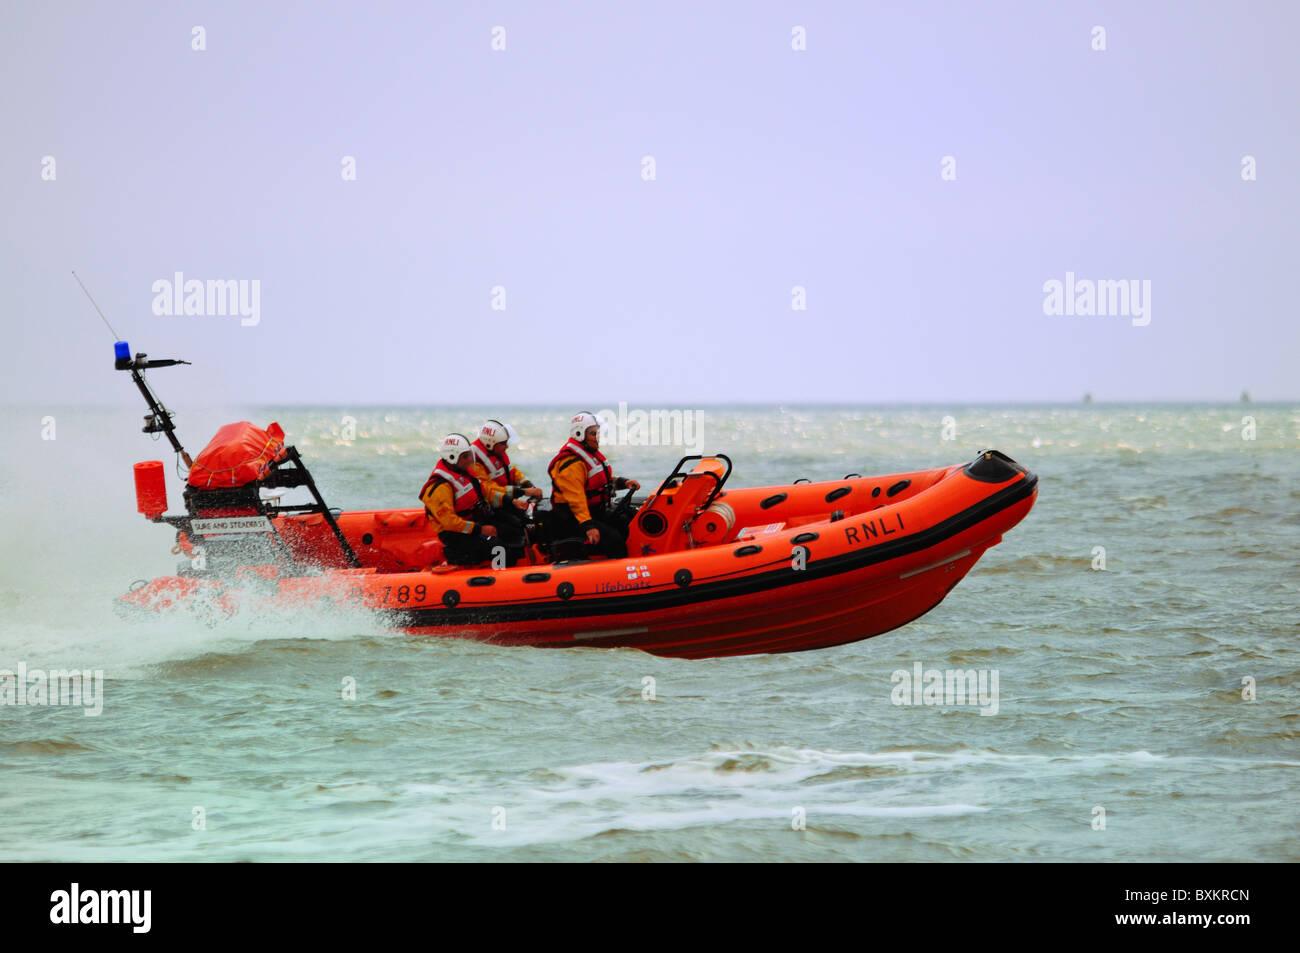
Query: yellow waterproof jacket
[
  {"x": 569, "y": 486},
  {"x": 439, "y": 498},
  {"x": 516, "y": 477}
]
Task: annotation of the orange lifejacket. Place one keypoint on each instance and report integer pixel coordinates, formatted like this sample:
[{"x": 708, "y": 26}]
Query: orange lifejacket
[
  {"x": 467, "y": 495},
  {"x": 497, "y": 467},
  {"x": 600, "y": 478}
]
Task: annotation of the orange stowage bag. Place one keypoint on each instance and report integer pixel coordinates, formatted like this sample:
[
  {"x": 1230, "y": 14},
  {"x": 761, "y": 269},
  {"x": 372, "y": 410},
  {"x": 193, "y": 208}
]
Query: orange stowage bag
[{"x": 239, "y": 454}]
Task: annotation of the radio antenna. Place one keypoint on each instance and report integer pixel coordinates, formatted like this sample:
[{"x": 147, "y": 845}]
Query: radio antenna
[
  {"x": 101, "y": 313},
  {"x": 159, "y": 419}
]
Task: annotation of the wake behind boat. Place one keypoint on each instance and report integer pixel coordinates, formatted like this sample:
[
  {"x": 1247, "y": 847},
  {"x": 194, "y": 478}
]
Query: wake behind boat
[{"x": 712, "y": 570}]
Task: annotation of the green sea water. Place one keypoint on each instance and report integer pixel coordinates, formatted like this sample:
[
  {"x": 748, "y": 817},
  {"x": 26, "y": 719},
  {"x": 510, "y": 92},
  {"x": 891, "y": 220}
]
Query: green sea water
[{"x": 1148, "y": 710}]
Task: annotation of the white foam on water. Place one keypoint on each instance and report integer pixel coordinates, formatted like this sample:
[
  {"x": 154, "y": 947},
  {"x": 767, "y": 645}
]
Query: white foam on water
[
  {"x": 709, "y": 790},
  {"x": 723, "y": 787}
]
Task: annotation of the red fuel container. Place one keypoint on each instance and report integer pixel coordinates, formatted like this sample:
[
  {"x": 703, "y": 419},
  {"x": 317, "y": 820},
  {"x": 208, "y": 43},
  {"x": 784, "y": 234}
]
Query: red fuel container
[{"x": 150, "y": 489}]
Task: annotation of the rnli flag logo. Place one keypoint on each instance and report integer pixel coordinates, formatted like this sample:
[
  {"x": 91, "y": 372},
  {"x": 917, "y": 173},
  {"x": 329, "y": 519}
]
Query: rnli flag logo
[{"x": 634, "y": 571}]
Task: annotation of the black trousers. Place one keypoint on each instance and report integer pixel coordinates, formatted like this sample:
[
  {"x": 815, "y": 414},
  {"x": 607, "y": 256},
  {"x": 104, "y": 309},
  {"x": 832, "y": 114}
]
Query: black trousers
[
  {"x": 613, "y": 539},
  {"x": 470, "y": 549},
  {"x": 510, "y": 523}
]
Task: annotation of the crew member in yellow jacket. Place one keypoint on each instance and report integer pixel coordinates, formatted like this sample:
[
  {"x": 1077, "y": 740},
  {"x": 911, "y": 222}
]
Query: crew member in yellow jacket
[
  {"x": 492, "y": 465},
  {"x": 582, "y": 485},
  {"x": 492, "y": 461},
  {"x": 462, "y": 507}
]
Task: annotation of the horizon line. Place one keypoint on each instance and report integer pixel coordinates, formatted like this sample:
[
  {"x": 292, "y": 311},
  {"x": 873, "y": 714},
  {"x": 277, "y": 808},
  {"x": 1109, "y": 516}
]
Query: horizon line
[{"x": 683, "y": 406}]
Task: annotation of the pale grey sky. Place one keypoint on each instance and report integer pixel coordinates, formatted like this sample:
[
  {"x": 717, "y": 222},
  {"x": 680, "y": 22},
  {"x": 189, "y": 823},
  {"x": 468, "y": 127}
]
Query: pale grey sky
[{"x": 774, "y": 168}]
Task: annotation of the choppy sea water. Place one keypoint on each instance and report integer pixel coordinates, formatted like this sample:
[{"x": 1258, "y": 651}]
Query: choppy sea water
[{"x": 1120, "y": 690}]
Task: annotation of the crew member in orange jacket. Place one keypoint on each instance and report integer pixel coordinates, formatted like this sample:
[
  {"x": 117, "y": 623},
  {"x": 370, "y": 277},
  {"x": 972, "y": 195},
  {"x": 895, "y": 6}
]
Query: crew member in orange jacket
[
  {"x": 582, "y": 484},
  {"x": 462, "y": 506}
]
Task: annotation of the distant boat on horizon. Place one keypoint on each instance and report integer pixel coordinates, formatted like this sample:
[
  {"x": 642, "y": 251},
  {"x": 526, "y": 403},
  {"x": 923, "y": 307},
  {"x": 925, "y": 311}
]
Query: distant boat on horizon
[
  {"x": 1245, "y": 397},
  {"x": 1087, "y": 398}
]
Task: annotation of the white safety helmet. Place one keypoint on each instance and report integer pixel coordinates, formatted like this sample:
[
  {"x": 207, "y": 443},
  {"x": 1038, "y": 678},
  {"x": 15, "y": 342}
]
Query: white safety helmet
[
  {"x": 453, "y": 445},
  {"x": 495, "y": 432},
  {"x": 579, "y": 424}
]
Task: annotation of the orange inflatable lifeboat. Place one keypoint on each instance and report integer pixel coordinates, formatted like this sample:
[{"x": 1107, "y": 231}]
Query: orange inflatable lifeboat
[{"x": 712, "y": 570}]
